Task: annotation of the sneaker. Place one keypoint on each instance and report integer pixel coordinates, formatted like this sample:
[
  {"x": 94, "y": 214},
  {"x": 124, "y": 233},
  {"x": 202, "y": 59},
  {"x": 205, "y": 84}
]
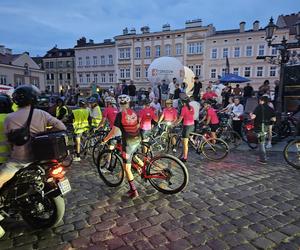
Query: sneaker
[
  {"x": 263, "y": 162},
  {"x": 183, "y": 160},
  {"x": 76, "y": 159},
  {"x": 174, "y": 150},
  {"x": 2, "y": 232},
  {"x": 269, "y": 145},
  {"x": 133, "y": 194}
]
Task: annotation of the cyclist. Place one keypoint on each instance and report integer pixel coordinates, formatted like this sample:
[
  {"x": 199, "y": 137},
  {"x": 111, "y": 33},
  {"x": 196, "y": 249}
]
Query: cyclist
[
  {"x": 127, "y": 122},
  {"x": 110, "y": 112},
  {"x": 61, "y": 112},
  {"x": 211, "y": 119},
  {"x": 95, "y": 112},
  {"x": 146, "y": 117},
  {"x": 81, "y": 120},
  {"x": 187, "y": 115}
]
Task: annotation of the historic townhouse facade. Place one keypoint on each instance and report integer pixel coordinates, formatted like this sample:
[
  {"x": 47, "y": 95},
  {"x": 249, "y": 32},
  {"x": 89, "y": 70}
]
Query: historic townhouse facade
[
  {"x": 18, "y": 69},
  {"x": 95, "y": 63},
  {"x": 59, "y": 65}
]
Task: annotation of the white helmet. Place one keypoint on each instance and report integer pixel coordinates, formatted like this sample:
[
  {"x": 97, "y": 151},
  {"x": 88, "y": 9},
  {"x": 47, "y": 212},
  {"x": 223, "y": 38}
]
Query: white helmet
[
  {"x": 110, "y": 99},
  {"x": 123, "y": 99}
]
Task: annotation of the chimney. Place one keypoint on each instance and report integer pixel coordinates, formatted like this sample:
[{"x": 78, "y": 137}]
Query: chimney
[
  {"x": 242, "y": 26},
  {"x": 81, "y": 41},
  {"x": 166, "y": 27},
  {"x": 91, "y": 41},
  {"x": 145, "y": 29},
  {"x": 256, "y": 25},
  {"x": 125, "y": 31},
  {"x": 132, "y": 31}
]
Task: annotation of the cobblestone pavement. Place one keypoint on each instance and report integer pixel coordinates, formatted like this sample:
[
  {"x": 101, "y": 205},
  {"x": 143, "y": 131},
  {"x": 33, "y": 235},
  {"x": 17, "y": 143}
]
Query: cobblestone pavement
[{"x": 233, "y": 204}]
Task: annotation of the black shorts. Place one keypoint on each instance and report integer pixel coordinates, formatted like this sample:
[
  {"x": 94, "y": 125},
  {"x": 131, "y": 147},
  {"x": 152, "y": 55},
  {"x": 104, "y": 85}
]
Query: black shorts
[
  {"x": 186, "y": 130},
  {"x": 145, "y": 134},
  {"x": 130, "y": 146},
  {"x": 214, "y": 127}
]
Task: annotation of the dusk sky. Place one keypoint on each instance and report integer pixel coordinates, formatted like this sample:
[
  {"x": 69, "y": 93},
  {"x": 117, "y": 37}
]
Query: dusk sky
[{"x": 36, "y": 25}]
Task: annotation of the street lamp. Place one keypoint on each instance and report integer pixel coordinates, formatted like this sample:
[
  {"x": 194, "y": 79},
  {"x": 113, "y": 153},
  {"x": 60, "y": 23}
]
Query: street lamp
[{"x": 284, "y": 52}]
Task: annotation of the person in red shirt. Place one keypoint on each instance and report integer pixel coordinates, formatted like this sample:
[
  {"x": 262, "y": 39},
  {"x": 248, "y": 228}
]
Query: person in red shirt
[
  {"x": 211, "y": 119},
  {"x": 209, "y": 94},
  {"x": 187, "y": 116},
  {"x": 110, "y": 112},
  {"x": 146, "y": 117}
]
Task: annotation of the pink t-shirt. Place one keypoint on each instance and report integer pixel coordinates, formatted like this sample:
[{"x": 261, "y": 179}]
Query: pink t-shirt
[
  {"x": 170, "y": 114},
  {"x": 146, "y": 116},
  {"x": 188, "y": 115},
  {"x": 213, "y": 116},
  {"x": 209, "y": 95},
  {"x": 110, "y": 114}
]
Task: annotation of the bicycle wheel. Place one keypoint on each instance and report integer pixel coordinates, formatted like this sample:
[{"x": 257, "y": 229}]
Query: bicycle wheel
[
  {"x": 169, "y": 174},
  {"x": 160, "y": 143},
  {"x": 214, "y": 149},
  {"x": 110, "y": 169},
  {"x": 291, "y": 153},
  {"x": 97, "y": 149},
  {"x": 232, "y": 138}
]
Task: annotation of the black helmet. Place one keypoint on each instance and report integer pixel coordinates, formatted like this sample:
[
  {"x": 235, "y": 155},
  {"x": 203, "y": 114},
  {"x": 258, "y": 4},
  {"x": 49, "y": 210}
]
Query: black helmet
[
  {"x": 25, "y": 95},
  {"x": 60, "y": 99},
  {"x": 5, "y": 104},
  {"x": 82, "y": 103}
]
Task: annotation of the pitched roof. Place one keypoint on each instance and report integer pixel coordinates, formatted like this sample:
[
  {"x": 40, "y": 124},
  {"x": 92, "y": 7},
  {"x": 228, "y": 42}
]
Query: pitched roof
[
  {"x": 8, "y": 58},
  {"x": 288, "y": 21},
  {"x": 56, "y": 52}
]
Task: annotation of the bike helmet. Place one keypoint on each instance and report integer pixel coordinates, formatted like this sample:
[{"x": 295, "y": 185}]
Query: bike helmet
[
  {"x": 123, "y": 99},
  {"x": 60, "y": 100},
  {"x": 93, "y": 100},
  {"x": 169, "y": 101},
  {"x": 146, "y": 102},
  {"x": 25, "y": 95},
  {"x": 82, "y": 103},
  {"x": 5, "y": 104}
]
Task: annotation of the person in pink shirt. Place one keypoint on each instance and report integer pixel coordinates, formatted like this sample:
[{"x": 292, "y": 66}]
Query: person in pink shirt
[
  {"x": 209, "y": 94},
  {"x": 187, "y": 116},
  {"x": 146, "y": 116},
  {"x": 211, "y": 119},
  {"x": 110, "y": 112}
]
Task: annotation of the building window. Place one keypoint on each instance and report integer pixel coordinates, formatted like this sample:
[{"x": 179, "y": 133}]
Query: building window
[
  {"x": 69, "y": 64},
  {"x": 148, "y": 52},
  {"x": 167, "y": 49},
  {"x": 249, "y": 51},
  {"x": 223, "y": 72},
  {"x": 197, "y": 70},
  {"x": 59, "y": 64},
  {"x": 178, "y": 49},
  {"x": 157, "y": 51},
  {"x": 237, "y": 52},
  {"x": 95, "y": 78},
  {"x": 3, "y": 79},
  {"x": 127, "y": 72},
  {"x": 60, "y": 76},
  {"x": 122, "y": 73},
  {"x": 68, "y": 76},
  {"x": 195, "y": 48},
  {"x": 111, "y": 77},
  {"x": 274, "y": 51},
  {"x": 124, "y": 53},
  {"x": 273, "y": 71},
  {"x": 87, "y": 61},
  {"x": 213, "y": 73},
  {"x": 51, "y": 65},
  {"x": 247, "y": 71},
  {"x": 95, "y": 60},
  {"x": 138, "y": 72},
  {"x": 80, "y": 78},
  {"x": 102, "y": 60},
  {"x": 137, "y": 52},
  {"x": 191, "y": 67},
  {"x": 46, "y": 65},
  {"x": 236, "y": 71},
  {"x": 110, "y": 60},
  {"x": 103, "y": 78},
  {"x": 261, "y": 50},
  {"x": 225, "y": 52},
  {"x": 259, "y": 71},
  {"x": 79, "y": 61},
  {"x": 88, "y": 78},
  {"x": 146, "y": 71},
  {"x": 214, "y": 53},
  {"x": 48, "y": 77}
]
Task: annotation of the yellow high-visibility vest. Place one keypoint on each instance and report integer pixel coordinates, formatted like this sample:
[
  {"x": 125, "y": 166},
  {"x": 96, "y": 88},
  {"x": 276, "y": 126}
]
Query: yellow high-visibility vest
[
  {"x": 96, "y": 120},
  {"x": 81, "y": 122},
  {"x": 4, "y": 145}
]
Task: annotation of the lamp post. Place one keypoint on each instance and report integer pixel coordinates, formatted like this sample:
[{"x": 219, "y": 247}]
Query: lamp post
[{"x": 284, "y": 53}]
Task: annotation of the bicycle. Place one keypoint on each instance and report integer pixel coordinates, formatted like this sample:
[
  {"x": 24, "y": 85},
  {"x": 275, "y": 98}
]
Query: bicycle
[
  {"x": 166, "y": 173},
  {"x": 213, "y": 149},
  {"x": 291, "y": 153}
]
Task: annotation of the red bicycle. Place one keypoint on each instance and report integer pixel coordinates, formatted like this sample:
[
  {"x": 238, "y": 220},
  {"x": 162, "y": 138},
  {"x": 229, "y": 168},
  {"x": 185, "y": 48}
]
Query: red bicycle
[{"x": 166, "y": 173}]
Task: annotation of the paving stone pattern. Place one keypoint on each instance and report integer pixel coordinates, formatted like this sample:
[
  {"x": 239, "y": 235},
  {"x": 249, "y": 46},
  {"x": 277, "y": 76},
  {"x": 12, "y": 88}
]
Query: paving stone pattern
[{"x": 232, "y": 204}]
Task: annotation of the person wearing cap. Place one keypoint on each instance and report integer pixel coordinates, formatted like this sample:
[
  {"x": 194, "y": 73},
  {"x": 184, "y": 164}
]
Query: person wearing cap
[
  {"x": 95, "y": 112},
  {"x": 196, "y": 89},
  {"x": 146, "y": 117},
  {"x": 81, "y": 120},
  {"x": 263, "y": 115},
  {"x": 61, "y": 112},
  {"x": 127, "y": 123},
  {"x": 187, "y": 116},
  {"x": 211, "y": 119}
]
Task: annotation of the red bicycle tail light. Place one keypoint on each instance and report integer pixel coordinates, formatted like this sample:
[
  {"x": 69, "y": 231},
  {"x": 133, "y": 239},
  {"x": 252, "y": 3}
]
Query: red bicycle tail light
[
  {"x": 57, "y": 172},
  {"x": 249, "y": 126}
]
